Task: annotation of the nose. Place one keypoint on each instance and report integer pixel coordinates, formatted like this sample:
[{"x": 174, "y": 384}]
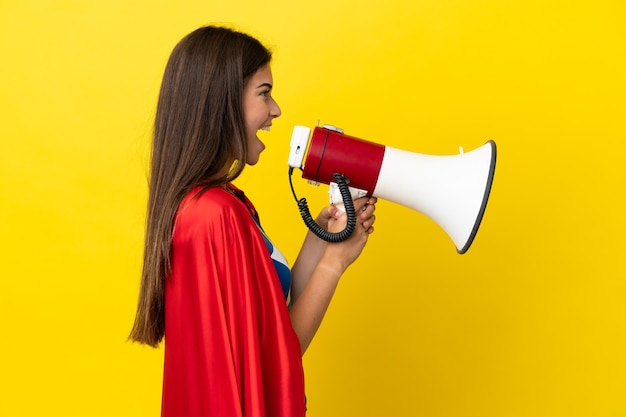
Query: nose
[{"x": 275, "y": 109}]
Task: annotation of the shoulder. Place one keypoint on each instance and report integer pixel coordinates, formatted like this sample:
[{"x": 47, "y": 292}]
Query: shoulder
[
  {"x": 215, "y": 198},
  {"x": 213, "y": 209}
]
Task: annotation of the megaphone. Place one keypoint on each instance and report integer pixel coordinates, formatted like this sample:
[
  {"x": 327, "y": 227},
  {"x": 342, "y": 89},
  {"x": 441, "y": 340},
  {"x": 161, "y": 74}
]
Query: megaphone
[{"x": 452, "y": 190}]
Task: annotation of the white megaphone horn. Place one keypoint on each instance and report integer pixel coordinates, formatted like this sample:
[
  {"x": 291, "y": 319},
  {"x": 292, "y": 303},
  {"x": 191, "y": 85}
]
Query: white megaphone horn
[{"x": 451, "y": 190}]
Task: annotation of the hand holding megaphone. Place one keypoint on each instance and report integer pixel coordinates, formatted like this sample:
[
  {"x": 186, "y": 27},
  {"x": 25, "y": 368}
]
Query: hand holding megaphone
[{"x": 451, "y": 190}]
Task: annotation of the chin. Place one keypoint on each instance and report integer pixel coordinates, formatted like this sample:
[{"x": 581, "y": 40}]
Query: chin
[
  {"x": 253, "y": 160},
  {"x": 255, "y": 154}
]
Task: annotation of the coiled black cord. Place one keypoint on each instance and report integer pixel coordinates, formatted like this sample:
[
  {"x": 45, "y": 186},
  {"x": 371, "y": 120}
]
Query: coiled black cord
[{"x": 319, "y": 231}]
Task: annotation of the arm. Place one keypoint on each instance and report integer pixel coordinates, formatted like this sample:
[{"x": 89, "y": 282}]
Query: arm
[
  {"x": 320, "y": 265},
  {"x": 309, "y": 256}
]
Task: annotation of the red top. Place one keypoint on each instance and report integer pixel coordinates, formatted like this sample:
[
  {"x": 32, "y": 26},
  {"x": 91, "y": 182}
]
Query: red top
[{"x": 230, "y": 349}]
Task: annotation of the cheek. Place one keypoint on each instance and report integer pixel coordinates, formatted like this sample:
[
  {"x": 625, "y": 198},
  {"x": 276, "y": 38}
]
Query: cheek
[
  {"x": 249, "y": 113},
  {"x": 252, "y": 121}
]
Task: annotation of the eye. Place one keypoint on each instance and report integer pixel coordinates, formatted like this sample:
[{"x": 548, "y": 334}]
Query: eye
[{"x": 265, "y": 93}]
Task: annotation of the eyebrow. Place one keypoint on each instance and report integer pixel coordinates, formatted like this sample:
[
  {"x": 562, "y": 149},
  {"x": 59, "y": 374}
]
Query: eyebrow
[{"x": 268, "y": 85}]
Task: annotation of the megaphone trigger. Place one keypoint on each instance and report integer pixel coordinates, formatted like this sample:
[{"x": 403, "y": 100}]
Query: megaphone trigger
[{"x": 336, "y": 199}]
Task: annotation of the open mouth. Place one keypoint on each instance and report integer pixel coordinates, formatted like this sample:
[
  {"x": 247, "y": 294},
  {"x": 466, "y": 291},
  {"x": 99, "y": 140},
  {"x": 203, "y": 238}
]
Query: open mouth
[{"x": 265, "y": 128}]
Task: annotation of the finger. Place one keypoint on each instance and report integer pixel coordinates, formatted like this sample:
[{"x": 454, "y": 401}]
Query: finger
[
  {"x": 333, "y": 212},
  {"x": 369, "y": 222},
  {"x": 361, "y": 201},
  {"x": 367, "y": 211}
]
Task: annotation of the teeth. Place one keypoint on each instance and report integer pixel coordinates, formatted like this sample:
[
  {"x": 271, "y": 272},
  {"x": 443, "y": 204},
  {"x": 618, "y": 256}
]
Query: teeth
[{"x": 265, "y": 128}]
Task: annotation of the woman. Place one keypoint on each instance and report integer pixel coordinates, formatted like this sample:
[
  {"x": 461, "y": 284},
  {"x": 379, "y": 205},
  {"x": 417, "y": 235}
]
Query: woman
[{"x": 212, "y": 282}]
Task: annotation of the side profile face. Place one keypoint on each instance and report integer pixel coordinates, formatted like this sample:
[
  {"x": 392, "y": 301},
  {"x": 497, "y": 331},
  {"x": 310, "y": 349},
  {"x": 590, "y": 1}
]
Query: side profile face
[{"x": 259, "y": 110}]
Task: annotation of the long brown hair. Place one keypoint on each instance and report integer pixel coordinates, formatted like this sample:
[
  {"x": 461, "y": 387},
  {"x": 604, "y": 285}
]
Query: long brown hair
[{"x": 198, "y": 132}]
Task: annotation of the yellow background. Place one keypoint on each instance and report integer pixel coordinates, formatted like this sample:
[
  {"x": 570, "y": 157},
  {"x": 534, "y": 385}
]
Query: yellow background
[{"x": 530, "y": 322}]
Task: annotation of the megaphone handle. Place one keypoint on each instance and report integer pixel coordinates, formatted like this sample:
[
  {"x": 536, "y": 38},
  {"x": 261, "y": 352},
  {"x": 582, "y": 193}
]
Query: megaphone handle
[
  {"x": 336, "y": 199},
  {"x": 317, "y": 230}
]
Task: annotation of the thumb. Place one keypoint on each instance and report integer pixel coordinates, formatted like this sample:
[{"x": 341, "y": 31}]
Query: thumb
[
  {"x": 330, "y": 212},
  {"x": 334, "y": 212}
]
